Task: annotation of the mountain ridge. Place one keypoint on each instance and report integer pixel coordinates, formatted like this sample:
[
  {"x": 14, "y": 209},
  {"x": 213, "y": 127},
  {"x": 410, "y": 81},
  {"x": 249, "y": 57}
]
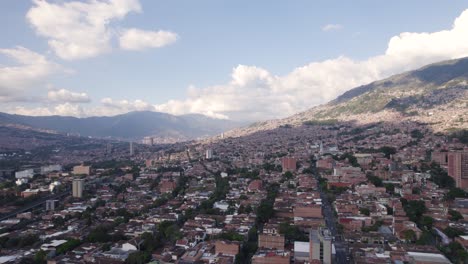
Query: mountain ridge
[
  {"x": 436, "y": 94},
  {"x": 130, "y": 126}
]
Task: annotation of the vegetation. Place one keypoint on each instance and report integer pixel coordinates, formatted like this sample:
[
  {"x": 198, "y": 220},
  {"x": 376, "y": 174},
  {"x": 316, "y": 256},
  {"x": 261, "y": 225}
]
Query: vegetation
[
  {"x": 68, "y": 246},
  {"x": 325, "y": 122},
  {"x": 364, "y": 211},
  {"x": 18, "y": 242},
  {"x": 455, "y": 252},
  {"x": 388, "y": 151},
  {"x": 375, "y": 180},
  {"x": 455, "y": 215},
  {"x": 291, "y": 232},
  {"x": 461, "y": 135},
  {"x": 440, "y": 177},
  {"x": 139, "y": 257}
]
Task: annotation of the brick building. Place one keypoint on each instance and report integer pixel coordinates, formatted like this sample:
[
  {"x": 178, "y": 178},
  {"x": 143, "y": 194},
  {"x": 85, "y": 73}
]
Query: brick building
[{"x": 271, "y": 241}]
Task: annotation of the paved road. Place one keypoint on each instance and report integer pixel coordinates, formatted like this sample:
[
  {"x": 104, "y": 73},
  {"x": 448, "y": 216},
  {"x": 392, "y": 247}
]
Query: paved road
[
  {"x": 34, "y": 204},
  {"x": 340, "y": 246}
]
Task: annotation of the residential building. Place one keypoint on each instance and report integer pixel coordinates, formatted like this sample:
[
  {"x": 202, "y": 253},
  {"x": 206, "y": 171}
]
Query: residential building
[
  {"x": 78, "y": 187},
  {"x": 321, "y": 245}
]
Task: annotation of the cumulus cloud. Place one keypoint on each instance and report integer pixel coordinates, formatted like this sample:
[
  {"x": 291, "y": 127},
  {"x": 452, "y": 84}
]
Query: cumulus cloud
[
  {"x": 77, "y": 30},
  {"x": 137, "y": 39},
  {"x": 255, "y": 94},
  {"x": 65, "y": 109},
  {"x": 106, "y": 107},
  {"x": 63, "y": 95},
  {"x": 31, "y": 70},
  {"x": 332, "y": 27}
]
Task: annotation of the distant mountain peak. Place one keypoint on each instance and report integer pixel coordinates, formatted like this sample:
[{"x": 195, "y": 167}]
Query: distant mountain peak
[{"x": 133, "y": 125}]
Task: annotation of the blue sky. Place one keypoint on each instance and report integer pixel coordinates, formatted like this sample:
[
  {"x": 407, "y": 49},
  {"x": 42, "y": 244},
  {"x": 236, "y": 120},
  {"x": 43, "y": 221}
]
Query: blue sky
[{"x": 269, "y": 39}]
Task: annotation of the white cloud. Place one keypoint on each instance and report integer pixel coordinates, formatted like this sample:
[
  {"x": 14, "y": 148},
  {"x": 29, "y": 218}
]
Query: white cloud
[
  {"x": 31, "y": 71},
  {"x": 66, "y": 109},
  {"x": 107, "y": 107},
  {"x": 83, "y": 29},
  {"x": 137, "y": 39},
  {"x": 332, "y": 27},
  {"x": 64, "y": 95},
  {"x": 254, "y": 93}
]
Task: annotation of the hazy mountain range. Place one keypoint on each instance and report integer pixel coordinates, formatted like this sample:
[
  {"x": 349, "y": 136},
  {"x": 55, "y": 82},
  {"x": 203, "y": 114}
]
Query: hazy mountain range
[
  {"x": 436, "y": 94},
  {"x": 133, "y": 125}
]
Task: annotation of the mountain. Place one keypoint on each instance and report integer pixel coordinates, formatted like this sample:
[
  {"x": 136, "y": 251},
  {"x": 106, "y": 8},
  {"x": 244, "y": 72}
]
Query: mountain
[
  {"x": 133, "y": 125},
  {"x": 436, "y": 94}
]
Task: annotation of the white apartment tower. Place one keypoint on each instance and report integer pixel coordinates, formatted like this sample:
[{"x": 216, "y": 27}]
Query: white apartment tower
[{"x": 78, "y": 187}]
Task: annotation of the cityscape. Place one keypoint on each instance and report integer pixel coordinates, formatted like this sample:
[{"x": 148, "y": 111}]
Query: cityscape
[{"x": 332, "y": 163}]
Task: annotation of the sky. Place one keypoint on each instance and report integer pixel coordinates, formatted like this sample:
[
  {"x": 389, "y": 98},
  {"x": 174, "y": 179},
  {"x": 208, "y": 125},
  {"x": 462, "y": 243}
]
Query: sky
[{"x": 239, "y": 60}]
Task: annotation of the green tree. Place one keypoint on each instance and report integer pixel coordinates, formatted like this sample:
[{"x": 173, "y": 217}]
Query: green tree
[
  {"x": 139, "y": 257},
  {"x": 364, "y": 211},
  {"x": 455, "y": 215},
  {"x": 40, "y": 257},
  {"x": 409, "y": 235}
]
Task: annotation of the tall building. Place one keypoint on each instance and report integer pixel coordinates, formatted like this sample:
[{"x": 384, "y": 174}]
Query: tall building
[
  {"x": 209, "y": 154},
  {"x": 50, "y": 205},
  {"x": 108, "y": 148},
  {"x": 320, "y": 242},
  {"x": 78, "y": 187},
  {"x": 458, "y": 167},
  {"x": 131, "y": 149},
  {"x": 288, "y": 164}
]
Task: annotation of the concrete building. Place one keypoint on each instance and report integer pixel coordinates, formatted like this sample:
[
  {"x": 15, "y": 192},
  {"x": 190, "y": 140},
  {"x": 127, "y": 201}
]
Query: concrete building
[
  {"x": 132, "y": 151},
  {"x": 50, "y": 205},
  {"x": 81, "y": 170},
  {"x": 320, "y": 243},
  {"x": 271, "y": 257},
  {"x": 301, "y": 252},
  {"x": 440, "y": 157},
  {"x": 209, "y": 154},
  {"x": 29, "y": 173},
  {"x": 78, "y": 187},
  {"x": 50, "y": 168},
  {"x": 458, "y": 168},
  {"x": 288, "y": 164}
]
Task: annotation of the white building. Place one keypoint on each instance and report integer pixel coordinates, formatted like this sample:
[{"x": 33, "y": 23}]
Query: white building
[
  {"x": 50, "y": 168},
  {"x": 209, "y": 154},
  {"x": 29, "y": 173},
  {"x": 78, "y": 187}
]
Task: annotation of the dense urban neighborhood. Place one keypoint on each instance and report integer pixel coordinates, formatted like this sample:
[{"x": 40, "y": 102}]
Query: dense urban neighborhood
[{"x": 321, "y": 192}]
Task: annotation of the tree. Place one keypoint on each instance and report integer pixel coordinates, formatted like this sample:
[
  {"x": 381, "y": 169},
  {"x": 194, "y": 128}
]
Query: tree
[
  {"x": 456, "y": 193},
  {"x": 455, "y": 215},
  {"x": 417, "y": 134},
  {"x": 139, "y": 257},
  {"x": 69, "y": 245},
  {"x": 453, "y": 232},
  {"x": 40, "y": 257},
  {"x": 427, "y": 222},
  {"x": 364, "y": 211},
  {"x": 409, "y": 235},
  {"x": 388, "y": 151},
  {"x": 291, "y": 232},
  {"x": 440, "y": 177}
]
